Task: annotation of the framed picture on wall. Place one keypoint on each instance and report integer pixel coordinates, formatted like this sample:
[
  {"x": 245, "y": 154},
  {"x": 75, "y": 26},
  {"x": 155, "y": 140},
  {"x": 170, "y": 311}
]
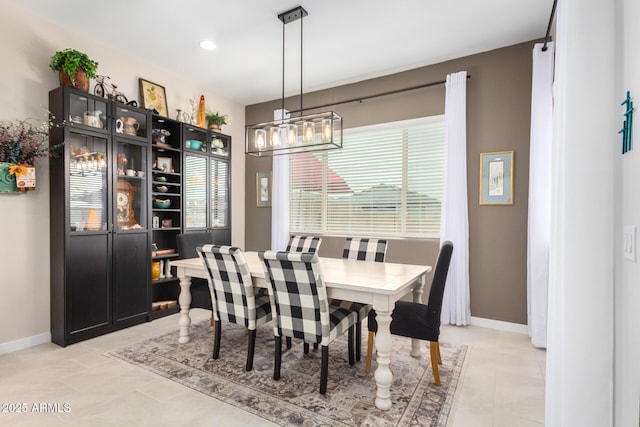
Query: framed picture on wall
[
  {"x": 496, "y": 178},
  {"x": 152, "y": 96},
  {"x": 263, "y": 189}
]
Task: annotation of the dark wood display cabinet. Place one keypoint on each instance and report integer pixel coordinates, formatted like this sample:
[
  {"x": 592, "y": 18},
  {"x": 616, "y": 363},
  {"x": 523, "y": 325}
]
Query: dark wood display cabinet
[
  {"x": 207, "y": 172},
  {"x": 99, "y": 212},
  {"x": 166, "y": 208}
]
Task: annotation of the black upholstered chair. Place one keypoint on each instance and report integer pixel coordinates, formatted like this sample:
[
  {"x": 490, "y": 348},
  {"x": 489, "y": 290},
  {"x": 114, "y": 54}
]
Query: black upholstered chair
[
  {"x": 363, "y": 250},
  {"x": 187, "y": 244},
  {"x": 304, "y": 243},
  {"x": 417, "y": 320},
  {"x": 236, "y": 300},
  {"x": 301, "y": 309}
]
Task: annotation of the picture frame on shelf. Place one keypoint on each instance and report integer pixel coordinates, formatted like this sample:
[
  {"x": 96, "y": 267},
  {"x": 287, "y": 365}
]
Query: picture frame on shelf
[
  {"x": 263, "y": 189},
  {"x": 496, "y": 178},
  {"x": 153, "y": 96},
  {"x": 164, "y": 164}
]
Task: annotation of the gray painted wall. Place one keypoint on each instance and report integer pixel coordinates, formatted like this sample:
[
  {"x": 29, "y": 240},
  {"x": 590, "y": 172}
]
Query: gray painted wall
[{"x": 498, "y": 118}]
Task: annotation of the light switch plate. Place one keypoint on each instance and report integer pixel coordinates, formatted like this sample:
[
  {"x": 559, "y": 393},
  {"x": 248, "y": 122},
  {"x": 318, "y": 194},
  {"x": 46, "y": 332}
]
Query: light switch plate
[{"x": 629, "y": 242}]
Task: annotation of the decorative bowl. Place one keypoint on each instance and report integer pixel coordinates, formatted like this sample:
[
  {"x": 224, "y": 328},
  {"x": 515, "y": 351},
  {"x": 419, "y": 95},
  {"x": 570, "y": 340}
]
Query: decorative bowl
[
  {"x": 161, "y": 203},
  {"x": 162, "y": 188},
  {"x": 161, "y": 178},
  {"x": 194, "y": 144}
]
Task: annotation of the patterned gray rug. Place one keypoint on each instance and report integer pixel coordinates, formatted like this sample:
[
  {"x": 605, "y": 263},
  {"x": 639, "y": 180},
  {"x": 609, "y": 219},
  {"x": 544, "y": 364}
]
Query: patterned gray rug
[{"x": 294, "y": 400}]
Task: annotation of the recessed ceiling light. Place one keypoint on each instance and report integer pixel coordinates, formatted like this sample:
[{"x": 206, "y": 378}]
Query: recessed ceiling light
[{"x": 207, "y": 45}]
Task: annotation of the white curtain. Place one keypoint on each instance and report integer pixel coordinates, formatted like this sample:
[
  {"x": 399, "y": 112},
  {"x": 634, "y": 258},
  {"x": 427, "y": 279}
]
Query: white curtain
[
  {"x": 280, "y": 196},
  {"x": 454, "y": 222},
  {"x": 539, "y": 193}
]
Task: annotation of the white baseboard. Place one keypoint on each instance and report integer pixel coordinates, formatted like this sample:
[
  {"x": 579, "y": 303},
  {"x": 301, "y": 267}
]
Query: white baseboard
[
  {"x": 22, "y": 343},
  {"x": 500, "y": 325}
]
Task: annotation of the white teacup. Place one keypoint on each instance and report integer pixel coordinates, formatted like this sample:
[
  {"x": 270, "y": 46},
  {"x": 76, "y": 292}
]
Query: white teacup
[
  {"x": 141, "y": 174},
  {"x": 131, "y": 172}
]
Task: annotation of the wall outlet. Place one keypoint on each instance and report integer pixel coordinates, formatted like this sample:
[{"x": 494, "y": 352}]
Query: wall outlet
[{"x": 629, "y": 242}]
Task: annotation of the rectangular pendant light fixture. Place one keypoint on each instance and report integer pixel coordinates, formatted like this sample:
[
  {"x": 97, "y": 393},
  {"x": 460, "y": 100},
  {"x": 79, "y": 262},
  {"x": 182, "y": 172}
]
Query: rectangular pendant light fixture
[{"x": 311, "y": 132}]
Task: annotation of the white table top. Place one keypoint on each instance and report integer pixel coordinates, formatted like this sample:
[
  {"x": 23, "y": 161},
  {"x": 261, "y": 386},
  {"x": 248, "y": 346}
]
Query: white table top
[{"x": 382, "y": 278}]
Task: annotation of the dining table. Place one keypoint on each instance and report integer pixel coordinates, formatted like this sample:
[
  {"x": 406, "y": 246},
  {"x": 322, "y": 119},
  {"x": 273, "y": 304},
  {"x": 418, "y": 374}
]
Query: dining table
[{"x": 379, "y": 284}]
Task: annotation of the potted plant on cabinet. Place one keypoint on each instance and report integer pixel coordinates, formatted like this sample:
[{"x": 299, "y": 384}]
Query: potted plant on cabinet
[
  {"x": 215, "y": 120},
  {"x": 74, "y": 68}
]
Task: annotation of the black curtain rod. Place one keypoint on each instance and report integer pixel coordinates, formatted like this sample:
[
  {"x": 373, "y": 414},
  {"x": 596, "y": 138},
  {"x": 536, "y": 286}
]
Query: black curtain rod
[
  {"x": 546, "y": 38},
  {"x": 362, "y": 98}
]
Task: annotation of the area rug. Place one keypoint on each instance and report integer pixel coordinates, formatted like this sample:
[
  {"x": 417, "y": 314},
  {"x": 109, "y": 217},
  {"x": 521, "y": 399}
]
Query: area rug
[{"x": 295, "y": 400}]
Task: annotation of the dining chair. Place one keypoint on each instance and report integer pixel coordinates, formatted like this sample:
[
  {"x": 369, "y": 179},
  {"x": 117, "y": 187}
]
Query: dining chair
[
  {"x": 235, "y": 299},
  {"x": 301, "y": 308},
  {"x": 299, "y": 243},
  {"x": 187, "y": 244},
  {"x": 362, "y": 249},
  {"x": 417, "y": 320}
]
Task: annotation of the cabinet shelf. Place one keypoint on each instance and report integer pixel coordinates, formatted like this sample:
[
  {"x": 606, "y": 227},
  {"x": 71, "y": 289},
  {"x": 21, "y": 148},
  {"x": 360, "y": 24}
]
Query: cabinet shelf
[
  {"x": 165, "y": 256},
  {"x": 159, "y": 172},
  {"x": 165, "y": 280},
  {"x": 161, "y": 148},
  {"x": 167, "y": 229},
  {"x": 157, "y": 314},
  {"x": 165, "y": 210}
]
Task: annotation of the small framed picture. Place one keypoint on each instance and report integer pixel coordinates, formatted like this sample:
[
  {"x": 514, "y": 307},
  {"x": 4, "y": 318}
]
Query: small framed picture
[
  {"x": 164, "y": 164},
  {"x": 496, "y": 178},
  {"x": 263, "y": 189},
  {"x": 152, "y": 95}
]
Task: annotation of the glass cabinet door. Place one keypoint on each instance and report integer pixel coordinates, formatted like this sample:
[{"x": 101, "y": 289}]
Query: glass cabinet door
[
  {"x": 195, "y": 185},
  {"x": 131, "y": 186},
  {"x": 219, "y": 193},
  {"x": 87, "y": 183},
  {"x": 87, "y": 111}
]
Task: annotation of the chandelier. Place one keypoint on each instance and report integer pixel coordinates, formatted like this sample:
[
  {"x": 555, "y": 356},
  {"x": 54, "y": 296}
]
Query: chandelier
[{"x": 289, "y": 135}]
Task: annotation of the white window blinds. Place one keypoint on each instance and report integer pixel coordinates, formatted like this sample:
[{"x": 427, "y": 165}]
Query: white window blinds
[{"x": 386, "y": 180}]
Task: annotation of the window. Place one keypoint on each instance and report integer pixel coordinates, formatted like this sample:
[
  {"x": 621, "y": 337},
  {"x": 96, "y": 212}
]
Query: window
[{"x": 386, "y": 180}]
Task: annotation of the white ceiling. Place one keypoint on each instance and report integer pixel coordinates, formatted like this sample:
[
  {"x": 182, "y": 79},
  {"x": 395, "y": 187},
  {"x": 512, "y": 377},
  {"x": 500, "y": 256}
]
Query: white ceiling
[{"x": 344, "y": 40}]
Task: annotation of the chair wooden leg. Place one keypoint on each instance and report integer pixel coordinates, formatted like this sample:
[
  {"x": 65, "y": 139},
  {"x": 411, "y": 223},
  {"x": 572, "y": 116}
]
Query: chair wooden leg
[
  {"x": 306, "y": 348},
  {"x": 367, "y": 366},
  {"x": 324, "y": 369},
  {"x": 213, "y": 318},
  {"x": 288, "y": 340},
  {"x": 358, "y": 339},
  {"x": 278, "y": 359},
  {"x": 433, "y": 347},
  {"x": 439, "y": 357},
  {"x": 216, "y": 339},
  {"x": 350, "y": 337},
  {"x": 251, "y": 349}
]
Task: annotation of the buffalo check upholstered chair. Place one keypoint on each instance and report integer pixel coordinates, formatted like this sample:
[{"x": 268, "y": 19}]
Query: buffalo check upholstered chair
[
  {"x": 363, "y": 250},
  {"x": 304, "y": 243},
  {"x": 417, "y": 320},
  {"x": 298, "y": 243},
  {"x": 301, "y": 309},
  {"x": 235, "y": 299}
]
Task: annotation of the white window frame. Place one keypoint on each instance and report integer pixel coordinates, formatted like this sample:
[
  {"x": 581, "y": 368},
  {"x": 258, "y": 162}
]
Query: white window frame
[{"x": 324, "y": 158}]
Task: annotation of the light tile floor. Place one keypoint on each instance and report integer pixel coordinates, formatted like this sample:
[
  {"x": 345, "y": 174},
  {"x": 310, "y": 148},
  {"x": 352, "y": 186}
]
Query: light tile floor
[{"x": 502, "y": 384}]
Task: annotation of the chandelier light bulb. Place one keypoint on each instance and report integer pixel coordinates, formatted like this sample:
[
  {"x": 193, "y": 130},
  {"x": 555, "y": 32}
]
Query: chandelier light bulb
[
  {"x": 274, "y": 136},
  {"x": 326, "y": 130},
  {"x": 260, "y": 138},
  {"x": 307, "y": 131},
  {"x": 292, "y": 134}
]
